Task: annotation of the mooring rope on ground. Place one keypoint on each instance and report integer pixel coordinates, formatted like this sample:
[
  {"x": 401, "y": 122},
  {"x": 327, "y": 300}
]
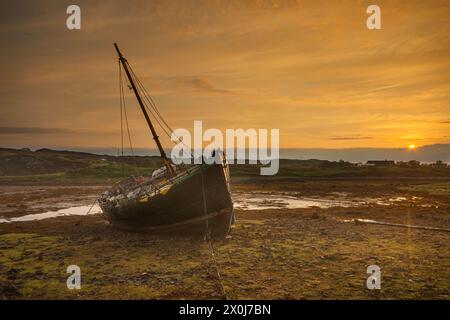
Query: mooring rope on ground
[
  {"x": 410, "y": 226},
  {"x": 217, "y": 268},
  {"x": 92, "y": 206},
  {"x": 209, "y": 240}
]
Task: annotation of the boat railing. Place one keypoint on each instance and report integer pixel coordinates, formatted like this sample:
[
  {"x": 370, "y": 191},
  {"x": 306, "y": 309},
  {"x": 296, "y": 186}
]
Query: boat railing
[{"x": 150, "y": 186}]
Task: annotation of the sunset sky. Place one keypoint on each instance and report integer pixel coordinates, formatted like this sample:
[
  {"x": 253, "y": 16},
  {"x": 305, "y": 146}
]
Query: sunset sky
[{"x": 310, "y": 68}]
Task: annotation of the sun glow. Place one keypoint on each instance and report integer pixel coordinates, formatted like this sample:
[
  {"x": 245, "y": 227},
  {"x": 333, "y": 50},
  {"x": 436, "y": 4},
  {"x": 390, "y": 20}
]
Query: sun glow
[{"x": 412, "y": 147}]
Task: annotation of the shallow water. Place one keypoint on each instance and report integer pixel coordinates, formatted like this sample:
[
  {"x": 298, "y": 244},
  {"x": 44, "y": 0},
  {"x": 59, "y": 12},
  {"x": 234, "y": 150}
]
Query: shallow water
[
  {"x": 285, "y": 200},
  {"x": 263, "y": 202},
  {"x": 72, "y": 211},
  {"x": 248, "y": 201}
]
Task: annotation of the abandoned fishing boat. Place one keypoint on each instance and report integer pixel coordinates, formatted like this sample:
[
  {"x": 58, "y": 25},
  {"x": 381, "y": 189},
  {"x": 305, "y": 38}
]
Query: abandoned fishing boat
[{"x": 194, "y": 199}]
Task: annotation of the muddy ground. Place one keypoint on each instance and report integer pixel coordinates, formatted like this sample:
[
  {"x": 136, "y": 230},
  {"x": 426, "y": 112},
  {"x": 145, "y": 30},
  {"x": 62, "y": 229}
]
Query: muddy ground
[{"x": 307, "y": 253}]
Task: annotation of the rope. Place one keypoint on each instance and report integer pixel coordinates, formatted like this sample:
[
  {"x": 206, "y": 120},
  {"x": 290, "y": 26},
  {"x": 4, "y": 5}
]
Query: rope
[
  {"x": 149, "y": 98},
  {"x": 410, "y": 226},
  {"x": 121, "y": 117},
  {"x": 128, "y": 130},
  {"x": 208, "y": 238},
  {"x": 149, "y": 101},
  {"x": 123, "y": 112},
  {"x": 150, "y": 105},
  {"x": 91, "y": 207}
]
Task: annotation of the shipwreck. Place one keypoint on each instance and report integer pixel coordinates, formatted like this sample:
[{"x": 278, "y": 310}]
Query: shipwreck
[{"x": 191, "y": 199}]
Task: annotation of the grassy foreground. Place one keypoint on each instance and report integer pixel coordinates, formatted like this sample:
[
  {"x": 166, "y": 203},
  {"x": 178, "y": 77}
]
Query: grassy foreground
[{"x": 272, "y": 254}]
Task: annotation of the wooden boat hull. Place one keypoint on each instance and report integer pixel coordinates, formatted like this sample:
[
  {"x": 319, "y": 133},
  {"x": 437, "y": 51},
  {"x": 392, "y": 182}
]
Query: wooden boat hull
[{"x": 180, "y": 209}]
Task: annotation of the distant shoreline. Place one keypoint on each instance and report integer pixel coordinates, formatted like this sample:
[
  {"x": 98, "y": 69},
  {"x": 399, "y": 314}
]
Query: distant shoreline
[
  {"x": 47, "y": 166},
  {"x": 424, "y": 154}
]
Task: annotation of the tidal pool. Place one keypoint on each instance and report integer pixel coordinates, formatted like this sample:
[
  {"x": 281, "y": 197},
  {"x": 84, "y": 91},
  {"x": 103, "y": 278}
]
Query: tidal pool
[
  {"x": 72, "y": 211},
  {"x": 284, "y": 200},
  {"x": 249, "y": 201}
]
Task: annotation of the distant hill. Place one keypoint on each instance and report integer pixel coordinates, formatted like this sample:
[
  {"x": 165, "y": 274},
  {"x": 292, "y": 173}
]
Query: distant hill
[
  {"x": 46, "y": 165},
  {"x": 43, "y": 161},
  {"x": 428, "y": 153}
]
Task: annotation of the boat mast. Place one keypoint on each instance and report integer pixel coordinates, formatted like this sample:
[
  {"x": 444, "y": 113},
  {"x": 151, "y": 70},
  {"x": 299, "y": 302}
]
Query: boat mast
[{"x": 144, "y": 111}]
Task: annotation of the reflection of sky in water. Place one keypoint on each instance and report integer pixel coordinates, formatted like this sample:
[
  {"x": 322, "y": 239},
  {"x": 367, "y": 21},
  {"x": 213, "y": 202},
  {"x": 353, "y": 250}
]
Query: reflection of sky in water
[
  {"x": 263, "y": 201},
  {"x": 250, "y": 201},
  {"x": 73, "y": 211}
]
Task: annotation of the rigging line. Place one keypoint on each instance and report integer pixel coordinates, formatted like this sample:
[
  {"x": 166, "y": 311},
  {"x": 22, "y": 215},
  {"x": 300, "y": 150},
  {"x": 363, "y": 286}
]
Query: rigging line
[
  {"x": 150, "y": 100},
  {"x": 171, "y": 131},
  {"x": 158, "y": 117},
  {"x": 122, "y": 101},
  {"x": 121, "y": 116},
  {"x": 157, "y": 120},
  {"x": 208, "y": 238},
  {"x": 145, "y": 103},
  {"x": 128, "y": 129},
  {"x": 140, "y": 88},
  {"x": 126, "y": 122},
  {"x": 153, "y": 105},
  {"x": 148, "y": 96},
  {"x": 92, "y": 206}
]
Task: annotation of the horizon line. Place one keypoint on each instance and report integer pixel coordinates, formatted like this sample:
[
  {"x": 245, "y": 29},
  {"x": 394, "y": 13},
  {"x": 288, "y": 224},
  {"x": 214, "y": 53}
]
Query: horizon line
[{"x": 68, "y": 148}]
